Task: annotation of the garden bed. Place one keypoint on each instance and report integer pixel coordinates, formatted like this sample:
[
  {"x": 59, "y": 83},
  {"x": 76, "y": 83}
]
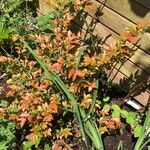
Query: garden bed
[{"x": 55, "y": 88}]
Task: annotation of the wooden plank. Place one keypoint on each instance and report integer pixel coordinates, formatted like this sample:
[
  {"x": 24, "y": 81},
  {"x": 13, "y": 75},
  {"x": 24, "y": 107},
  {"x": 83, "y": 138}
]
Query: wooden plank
[
  {"x": 114, "y": 21},
  {"x": 44, "y": 7},
  {"x": 140, "y": 58},
  {"x": 128, "y": 68},
  {"x": 118, "y": 77},
  {"x": 129, "y": 9},
  {"x": 108, "y": 17},
  {"x": 145, "y": 3},
  {"x": 51, "y": 5},
  {"x": 143, "y": 98}
]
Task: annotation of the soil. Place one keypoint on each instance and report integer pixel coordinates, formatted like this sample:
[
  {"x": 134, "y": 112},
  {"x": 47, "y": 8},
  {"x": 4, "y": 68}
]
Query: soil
[{"x": 111, "y": 141}]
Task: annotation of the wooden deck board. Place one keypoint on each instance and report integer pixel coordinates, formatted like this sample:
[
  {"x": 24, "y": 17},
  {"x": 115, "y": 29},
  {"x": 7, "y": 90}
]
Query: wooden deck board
[
  {"x": 131, "y": 10},
  {"x": 115, "y": 22},
  {"x": 119, "y": 78},
  {"x": 145, "y": 3}
]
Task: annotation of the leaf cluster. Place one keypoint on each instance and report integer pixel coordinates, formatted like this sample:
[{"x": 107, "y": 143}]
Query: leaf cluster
[{"x": 55, "y": 74}]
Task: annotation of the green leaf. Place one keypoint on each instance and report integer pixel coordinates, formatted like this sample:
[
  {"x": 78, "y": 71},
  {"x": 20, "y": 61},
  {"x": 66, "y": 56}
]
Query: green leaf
[
  {"x": 3, "y": 146},
  {"x": 7, "y": 134},
  {"x": 116, "y": 114},
  {"x": 106, "y": 98},
  {"x": 124, "y": 113},
  {"x": 4, "y": 33},
  {"x": 47, "y": 147},
  {"x": 137, "y": 130},
  {"x": 133, "y": 114},
  {"x": 106, "y": 107},
  {"x": 1, "y": 26},
  {"x": 45, "y": 22},
  {"x": 130, "y": 119},
  {"x": 115, "y": 107},
  {"x": 37, "y": 142},
  {"x": 27, "y": 145}
]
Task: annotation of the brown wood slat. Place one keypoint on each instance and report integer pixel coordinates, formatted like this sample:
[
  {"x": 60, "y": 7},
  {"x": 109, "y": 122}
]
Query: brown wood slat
[
  {"x": 129, "y": 9},
  {"x": 143, "y": 98},
  {"x": 140, "y": 58},
  {"x": 128, "y": 68},
  {"x": 108, "y": 17},
  {"x": 44, "y": 7},
  {"x": 114, "y": 21},
  {"x": 145, "y": 3},
  {"x": 49, "y": 5}
]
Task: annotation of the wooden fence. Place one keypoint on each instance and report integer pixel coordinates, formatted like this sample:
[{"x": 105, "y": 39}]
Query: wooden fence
[{"x": 111, "y": 18}]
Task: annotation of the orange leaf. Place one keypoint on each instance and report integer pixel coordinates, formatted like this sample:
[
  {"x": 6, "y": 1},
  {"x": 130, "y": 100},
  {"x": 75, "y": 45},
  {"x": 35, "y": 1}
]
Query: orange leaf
[
  {"x": 86, "y": 102},
  {"x": 77, "y": 2},
  {"x": 31, "y": 64},
  {"x": 13, "y": 117},
  {"x": 32, "y": 136},
  {"x": 10, "y": 93},
  {"x": 57, "y": 66},
  {"x": 71, "y": 72},
  {"x": 24, "y": 105},
  {"x": 139, "y": 25},
  {"x": 80, "y": 73},
  {"x": 36, "y": 73},
  {"x": 45, "y": 84},
  {"x": 71, "y": 88},
  {"x": 48, "y": 117},
  {"x": 74, "y": 76},
  {"x": 1, "y": 112},
  {"x": 109, "y": 124},
  {"x": 47, "y": 133},
  {"x": 128, "y": 36},
  {"x": 90, "y": 61},
  {"x": 55, "y": 22},
  {"x": 56, "y": 147},
  {"x": 22, "y": 121},
  {"x": 117, "y": 121},
  {"x": 91, "y": 86},
  {"x": 30, "y": 118},
  {"x": 74, "y": 73},
  {"x": 53, "y": 105},
  {"x": 3, "y": 59}
]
